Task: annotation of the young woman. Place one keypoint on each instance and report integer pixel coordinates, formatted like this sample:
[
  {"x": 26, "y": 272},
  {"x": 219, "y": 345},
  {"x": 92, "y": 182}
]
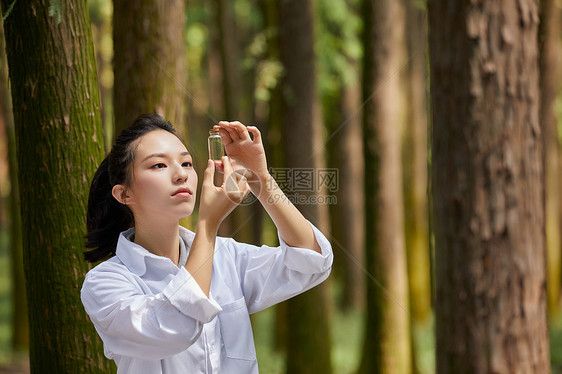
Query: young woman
[{"x": 168, "y": 300}]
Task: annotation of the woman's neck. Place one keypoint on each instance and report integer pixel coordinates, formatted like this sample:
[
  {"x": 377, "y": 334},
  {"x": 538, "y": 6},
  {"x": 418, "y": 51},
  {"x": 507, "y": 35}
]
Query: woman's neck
[{"x": 159, "y": 238}]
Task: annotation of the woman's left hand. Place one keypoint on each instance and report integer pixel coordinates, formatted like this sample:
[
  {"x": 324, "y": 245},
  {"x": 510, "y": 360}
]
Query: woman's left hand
[{"x": 243, "y": 151}]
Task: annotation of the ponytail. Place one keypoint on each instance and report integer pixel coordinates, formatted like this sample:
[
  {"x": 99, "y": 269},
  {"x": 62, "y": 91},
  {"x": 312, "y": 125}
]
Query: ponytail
[{"x": 106, "y": 217}]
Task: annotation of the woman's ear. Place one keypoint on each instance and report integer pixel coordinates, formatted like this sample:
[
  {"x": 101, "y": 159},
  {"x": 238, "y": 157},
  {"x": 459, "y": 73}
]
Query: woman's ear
[{"x": 119, "y": 192}]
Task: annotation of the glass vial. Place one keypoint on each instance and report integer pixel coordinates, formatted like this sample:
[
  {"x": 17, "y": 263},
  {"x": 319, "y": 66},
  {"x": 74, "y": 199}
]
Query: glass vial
[{"x": 216, "y": 150}]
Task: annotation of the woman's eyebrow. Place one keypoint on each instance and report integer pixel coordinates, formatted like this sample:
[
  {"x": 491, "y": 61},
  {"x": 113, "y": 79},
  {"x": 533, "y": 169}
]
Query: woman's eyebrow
[{"x": 163, "y": 155}]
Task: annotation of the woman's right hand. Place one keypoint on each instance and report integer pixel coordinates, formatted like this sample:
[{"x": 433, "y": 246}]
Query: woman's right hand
[{"x": 216, "y": 203}]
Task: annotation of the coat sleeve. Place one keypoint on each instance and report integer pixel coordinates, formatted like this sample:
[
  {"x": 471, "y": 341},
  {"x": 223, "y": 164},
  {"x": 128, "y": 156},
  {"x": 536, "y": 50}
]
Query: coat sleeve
[
  {"x": 132, "y": 323},
  {"x": 270, "y": 275}
]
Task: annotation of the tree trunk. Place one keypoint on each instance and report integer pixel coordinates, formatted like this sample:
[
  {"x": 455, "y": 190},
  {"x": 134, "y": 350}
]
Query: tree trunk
[
  {"x": 20, "y": 326},
  {"x": 415, "y": 176},
  {"x": 549, "y": 80},
  {"x": 59, "y": 141},
  {"x": 308, "y": 335},
  {"x": 387, "y": 347},
  {"x": 348, "y": 214},
  {"x": 488, "y": 188},
  {"x": 149, "y": 61},
  {"x": 415, "y": 166}
]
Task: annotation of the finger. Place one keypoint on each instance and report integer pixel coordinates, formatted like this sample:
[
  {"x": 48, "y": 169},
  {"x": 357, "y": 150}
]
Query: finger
[
  {"x": 208, "y": 176},
  {"x": 226, "y": 166},
  {"x": 231, "y": 131},
  {"x": 241, "y": 130},
  {"x": 225, "y": 137},
  {"x": 218, "y": 166},
  {"x": 256, "y": 133}
]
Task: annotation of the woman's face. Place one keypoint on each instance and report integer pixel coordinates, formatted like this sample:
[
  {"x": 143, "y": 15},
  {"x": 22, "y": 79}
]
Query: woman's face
[{"x": 164, "y": 182}]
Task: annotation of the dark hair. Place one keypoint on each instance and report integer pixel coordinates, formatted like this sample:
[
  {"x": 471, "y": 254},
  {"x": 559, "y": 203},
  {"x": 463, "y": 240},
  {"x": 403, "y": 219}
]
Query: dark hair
[{"x": 106, "y": 217}]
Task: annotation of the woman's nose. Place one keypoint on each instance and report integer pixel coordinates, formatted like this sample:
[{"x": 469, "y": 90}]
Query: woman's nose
[{"x": 181, "y": 174}]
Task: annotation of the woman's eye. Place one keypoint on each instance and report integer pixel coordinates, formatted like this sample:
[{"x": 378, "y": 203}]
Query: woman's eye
[
  {"x": 158, "y": 166},
  {"x": 187, "y": 164}
]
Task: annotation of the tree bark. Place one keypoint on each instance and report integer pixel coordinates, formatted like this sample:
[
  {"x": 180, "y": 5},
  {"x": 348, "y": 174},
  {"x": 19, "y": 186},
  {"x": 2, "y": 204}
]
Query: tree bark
[
  {"x": 59, "y": 141},
  {"x": 308, "y": 335},
  {"x": 149, "y": 61},
  {"x": 549, "y": 83},
  {"x": 488, "y": 188},
  {"x": 386, "y": 347},
  {"x": 20, "y": 325}
]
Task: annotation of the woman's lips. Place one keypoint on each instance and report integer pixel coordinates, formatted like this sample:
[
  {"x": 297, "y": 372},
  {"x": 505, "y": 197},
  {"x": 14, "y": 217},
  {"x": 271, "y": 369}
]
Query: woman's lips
[{"x": 182, "y": 192}]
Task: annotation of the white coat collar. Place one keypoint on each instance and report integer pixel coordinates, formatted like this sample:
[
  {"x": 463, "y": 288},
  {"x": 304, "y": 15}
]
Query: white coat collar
[{"x": 134, "y": 255}]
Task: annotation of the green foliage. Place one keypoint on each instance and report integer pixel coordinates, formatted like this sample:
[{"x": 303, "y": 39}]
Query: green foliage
[
  {"x": 269, "y": 72},
  {"x": 338, "y": 44},
  {"x": 246, "y": 14},
  {"x": 197, "y": 39},
  {"x": 100, "y": 11}
]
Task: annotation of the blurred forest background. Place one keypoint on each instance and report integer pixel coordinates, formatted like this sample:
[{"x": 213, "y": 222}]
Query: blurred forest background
[{"x": 441, "y": 197}]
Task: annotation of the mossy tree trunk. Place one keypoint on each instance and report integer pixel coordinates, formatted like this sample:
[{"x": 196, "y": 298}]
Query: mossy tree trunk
[
  {"x": 386, "y": 347},
  {"x": 308, "y": 332},
  {"x": 488, "y": 188},
  {"x": 149, "y": 61},
  {"x": 59, "y": 142}
]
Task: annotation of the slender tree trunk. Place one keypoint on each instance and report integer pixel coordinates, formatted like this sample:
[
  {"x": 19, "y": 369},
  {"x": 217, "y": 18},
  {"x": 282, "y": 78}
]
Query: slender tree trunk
[
  {"x": 20, "y": 326},
  {"x": 308, "y": 335},
  {"x": 488, "y": 188},
  {"x": 59, "y": 141},
  {"x": 415, "y": 166},
  {"x": 348, "y": 215},
  {"x": 387, "y": 347},
  {"x": 149, "y": 61},
  {"x": 415, "y": 176},
  {"x": 549, "y": 83}
]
